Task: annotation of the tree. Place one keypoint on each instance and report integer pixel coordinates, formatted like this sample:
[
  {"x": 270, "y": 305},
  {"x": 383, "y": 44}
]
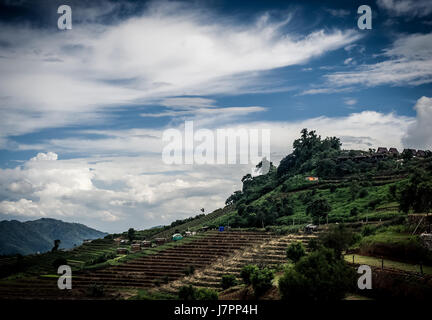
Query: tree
[
  {"x": 235, "y": 197},
  {"x": 326, "y": 168},
  {"x": 407, "y": 155},
  {"x": 261, "y": 281},
  {"x": 247, "y": 271},
  {"x": 56, "y": 245},
  {"x": 228, "y": 281},
  {"x": 319, "y": 276},
  {"x": 319, "y": 208},
  {"x": 416, "y": 194},
  {"x": 131, "y": 234},
  {"x": 295, "y": 251},
  {"x": 339, "y": 238}
]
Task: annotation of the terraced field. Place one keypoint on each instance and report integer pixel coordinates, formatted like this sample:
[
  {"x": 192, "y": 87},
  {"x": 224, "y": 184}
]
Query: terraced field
[
  {"x": 164, "y": 267},
  {"x": 271, "y": 253}
]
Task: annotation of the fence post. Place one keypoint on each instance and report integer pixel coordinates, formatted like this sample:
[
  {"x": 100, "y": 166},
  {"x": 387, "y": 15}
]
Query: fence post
[
  {"x": 382, "y": 264},
  {"x": 353, "y": 258}
]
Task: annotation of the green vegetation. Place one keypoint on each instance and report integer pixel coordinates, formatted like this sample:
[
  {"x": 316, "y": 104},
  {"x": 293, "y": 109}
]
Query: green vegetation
[
  {"x": 378, "y": 262},
  {"x": 228, "y": 281},
  {"x": 247, "y": 271},
  {"x": 192, "y": 293},
  {"x": 320, "y": 276},
  {"x": 295, "y": 251}
]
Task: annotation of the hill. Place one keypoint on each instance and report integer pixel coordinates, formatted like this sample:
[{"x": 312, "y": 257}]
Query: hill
[{"x": 39, "y": 235}]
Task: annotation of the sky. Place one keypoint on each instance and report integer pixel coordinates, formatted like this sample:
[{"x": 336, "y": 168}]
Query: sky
[{"x": 83, "y": 111}]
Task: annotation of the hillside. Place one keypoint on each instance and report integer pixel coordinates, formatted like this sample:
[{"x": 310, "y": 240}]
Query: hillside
[
  {"x": 39, "y": 235},
  {"x": 363, "y": 202}
]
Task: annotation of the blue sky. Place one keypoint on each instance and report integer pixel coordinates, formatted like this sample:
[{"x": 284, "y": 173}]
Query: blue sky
[{"x": 83, "y": 110}]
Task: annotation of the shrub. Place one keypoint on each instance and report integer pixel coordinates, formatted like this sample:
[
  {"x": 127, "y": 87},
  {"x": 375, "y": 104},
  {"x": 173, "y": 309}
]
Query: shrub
[
  {"x": 339, "y": 238},
  {"x": 354, "y": 211},
  {"x": 320, "y": 276},
  {"x": 247, "y": 271},
  {"x": 206, "y": 294},
  {"x": 314, "y": 244},
  {"x": 295, "y": 251},
  {"x": 228, "y": 281},
  {"x": 363, "y": 193},
  {"x": 187, "y": 293},
  {"x": 261, "y": 281},
  {"x": 191, "y": 293}
]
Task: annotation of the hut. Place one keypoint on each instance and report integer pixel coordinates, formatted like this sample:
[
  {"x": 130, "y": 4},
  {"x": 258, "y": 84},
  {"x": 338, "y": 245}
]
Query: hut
[
  {"x": 394, "y": 151},
  {"x": 146, "y": 244},
  {"x": 420, "y": 153},
  {"x": 310, "y": 228},
  {"x": 122, "y": 251},
  {"x": 160, "y": 241},
  {"x": 382, "y": 150},
  {"x": 311, "y": 179},
  {"x": 136, "y": 247}
]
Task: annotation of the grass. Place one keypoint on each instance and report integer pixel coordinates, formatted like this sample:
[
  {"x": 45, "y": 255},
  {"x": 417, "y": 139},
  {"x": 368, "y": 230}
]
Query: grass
[{"x": 376, "y": 262}]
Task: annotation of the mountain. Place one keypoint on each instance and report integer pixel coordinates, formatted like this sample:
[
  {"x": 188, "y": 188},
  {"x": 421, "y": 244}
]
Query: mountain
[{"x": 39, "y": 235}]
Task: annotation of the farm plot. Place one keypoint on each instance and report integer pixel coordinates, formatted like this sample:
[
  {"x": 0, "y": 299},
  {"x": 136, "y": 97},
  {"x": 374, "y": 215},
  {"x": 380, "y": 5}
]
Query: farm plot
[
  {"x": 147, "y": 271},
  {"x": 270, "y": 252}
]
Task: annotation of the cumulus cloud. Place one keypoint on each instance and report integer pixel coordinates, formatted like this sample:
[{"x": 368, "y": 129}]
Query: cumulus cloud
[
  {"x": 45, "y": 156},
  {"x": 419, "y": 134},
  {"x": 113, "y": 193}
]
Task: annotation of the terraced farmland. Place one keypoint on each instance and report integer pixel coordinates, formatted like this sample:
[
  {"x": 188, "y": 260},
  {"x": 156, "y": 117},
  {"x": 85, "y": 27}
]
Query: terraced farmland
[
  {"x": 271, "y": 253},
  {"x": 153, "y": 270}
]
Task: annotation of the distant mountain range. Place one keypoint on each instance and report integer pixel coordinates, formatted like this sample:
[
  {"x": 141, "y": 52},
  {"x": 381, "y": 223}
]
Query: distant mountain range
[{"x": 39, "y": 235}]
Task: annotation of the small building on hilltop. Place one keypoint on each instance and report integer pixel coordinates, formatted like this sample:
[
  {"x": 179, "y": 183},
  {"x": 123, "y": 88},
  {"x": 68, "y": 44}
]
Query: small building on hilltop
[
  {"x": 420, "y": 153},
  {"x": 160, "y": 241},
  {"x": 122, "y": 251},
  {"x": 382, "y": 150},
  {"x": 394, "y": 151},
  {"x": 146, "y": 244},
  {"x": 135, "y": 247},
  {"x": 413, "y": 151}
]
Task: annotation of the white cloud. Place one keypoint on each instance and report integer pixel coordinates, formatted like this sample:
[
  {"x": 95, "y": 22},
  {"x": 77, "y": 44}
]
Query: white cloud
[
  {"x": 56, "y": 79},
  {"x": 45, "y": 156},
  {"x": 350, "y": 101},
  {"x": 408, "y": 62},
  {"x": 408, "y": 8},
  {"x": 114, "y": 193},
  {"x": 419, "y": 134},
  {"x": 348, "y": 60}
]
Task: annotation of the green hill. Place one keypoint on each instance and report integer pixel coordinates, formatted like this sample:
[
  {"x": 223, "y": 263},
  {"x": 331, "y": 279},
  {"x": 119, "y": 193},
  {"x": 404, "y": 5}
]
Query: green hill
[{"x": 320, "y": 182}]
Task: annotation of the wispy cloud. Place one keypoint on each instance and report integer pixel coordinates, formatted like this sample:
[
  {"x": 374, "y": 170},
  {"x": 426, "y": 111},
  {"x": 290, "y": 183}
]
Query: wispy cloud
[
  {"x": 63, "y": 78},
  {"x": 407, "y": 62},
  {"x": 408, "y": 8}
]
